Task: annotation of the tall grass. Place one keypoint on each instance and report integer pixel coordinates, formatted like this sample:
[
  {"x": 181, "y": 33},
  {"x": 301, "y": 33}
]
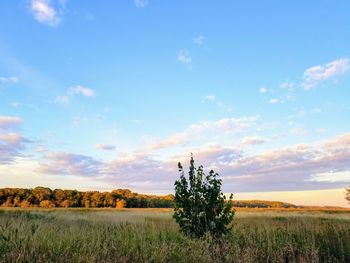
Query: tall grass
[{"x": 152, "y": 236}]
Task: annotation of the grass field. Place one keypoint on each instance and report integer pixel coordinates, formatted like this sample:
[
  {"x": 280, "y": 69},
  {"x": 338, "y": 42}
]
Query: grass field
[{"x": 151, "y": 235}]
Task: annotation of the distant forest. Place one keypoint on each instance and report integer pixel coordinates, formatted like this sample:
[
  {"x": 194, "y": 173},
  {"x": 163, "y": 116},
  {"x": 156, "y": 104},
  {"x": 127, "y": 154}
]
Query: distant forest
[
  {"x": 121, "y": 198},
  {"x": 47, "y": 198}
]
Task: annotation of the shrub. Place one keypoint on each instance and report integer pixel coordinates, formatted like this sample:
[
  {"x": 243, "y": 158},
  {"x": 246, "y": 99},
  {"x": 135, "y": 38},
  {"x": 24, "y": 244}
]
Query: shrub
[
  {"x": 347, "y": 194},
  {"x": 199, "y": 205}
]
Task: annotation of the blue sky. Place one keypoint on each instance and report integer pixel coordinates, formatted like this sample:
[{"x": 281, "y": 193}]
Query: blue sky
[{"x": 107, "y": 95}]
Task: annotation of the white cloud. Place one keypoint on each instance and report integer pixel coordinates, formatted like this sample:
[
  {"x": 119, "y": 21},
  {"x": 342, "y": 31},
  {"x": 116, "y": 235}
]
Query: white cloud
[
  {"x": 316, "y": 110},
  {"x": 274, "y": 101},
  {"x": 196, "y": 130},
  {"x": 299, "y": 131},
  {"x": 105, "y": 147},
  {"x": 298, "y": 114},
  {"x": 15, "y": 104},
  {"x": 76, "y": 90},
  {"x": 184, "y": 57},
  {"x": 263, "y": 90},
  {"x": 87, "y": 92},
  {"x": 219, "y": 103},
  {"x": 287, "y": 85},
  {"x": 44, "y": 12},
  {"x": 317, "y": 74},
  {"x": 284, "y": 93},
  {"x": 209, "y": 98},
  {"x": 141, "y": 3},
  {"x": 9, "y": 80},
  {"x": 313, "y": 77},
  {"x": 199, "y": 40},
  {"x": 231, "y": 125},
  {"x": 62, "y": 99},
  {"x": 173, "y": 140},
  {"x": 332, "y": 177}
]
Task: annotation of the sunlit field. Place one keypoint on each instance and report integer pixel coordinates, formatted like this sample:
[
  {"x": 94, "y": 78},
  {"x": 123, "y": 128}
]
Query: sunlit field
[{"x": 151, "y": 235}]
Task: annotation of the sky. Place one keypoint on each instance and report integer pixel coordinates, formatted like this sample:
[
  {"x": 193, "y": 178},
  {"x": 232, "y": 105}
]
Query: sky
[{"x": 99, "y": 95}]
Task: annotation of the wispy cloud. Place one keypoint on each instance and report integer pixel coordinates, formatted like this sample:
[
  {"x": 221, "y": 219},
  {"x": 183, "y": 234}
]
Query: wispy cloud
[
  {"x": 253, "y": 140},
  {"x": 312, "y": 78},
  {"x": 263, "y": 90},
  {"x": 45, "y": 12},
  {"x": 199, "y": 40},
  {"x": 62, "y": 99},
  {"x": 185, "y": 58},
  {"x": 196, "y": 130},
  {"x": 316, "y": 110},
  {"x": 9, "y": 80},
  {"x": 180, "y": 138},
  {"x": 87, "y": 92},
  {"x": 209, "y": 98},
  {"x": 213, "y": 99},
  {"x": 141, "y": 3},
  {"x": 135, "y": 121},
  {"x": 317, "y": 74},
  {"x": 281, "y": 94},
  {"x": 76, "y": 90},
  {"x": 105, "y": 147},
  {"x": 15, "y": 104},
  {"x": 287, "y": 85},
  {"x": 274, "y": 101}
]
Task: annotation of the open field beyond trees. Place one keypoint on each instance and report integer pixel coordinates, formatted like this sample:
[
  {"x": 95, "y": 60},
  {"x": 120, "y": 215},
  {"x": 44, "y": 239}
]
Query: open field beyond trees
[{"x": 151, "y": 235}]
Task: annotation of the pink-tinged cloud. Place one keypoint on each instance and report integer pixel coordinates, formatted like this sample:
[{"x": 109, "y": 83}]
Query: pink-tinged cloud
[
  {"x": 105, "y": 147},
  {"x": 44, "y": 13},
  {"x": 315, "y": 75},
  {"x": 9, "y": 122},
  {"x": 290, "y": 168},
  {"x": 194, "y": 131},
  {"x": 252, "y": 140},
  {"x": 63, "y": 163},
  {"x": 12, "y": 143}
]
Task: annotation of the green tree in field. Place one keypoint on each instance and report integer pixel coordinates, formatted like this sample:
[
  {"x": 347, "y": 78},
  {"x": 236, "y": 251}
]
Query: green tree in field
[{"x": 200, "y": 206}]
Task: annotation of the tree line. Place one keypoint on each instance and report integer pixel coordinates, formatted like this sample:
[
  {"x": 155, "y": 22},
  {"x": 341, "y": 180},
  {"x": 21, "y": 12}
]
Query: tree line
[
  {"x": 119, "y": 198},
  {"x": 47, "y": 198},
  {"x": 262, "y": 204}
]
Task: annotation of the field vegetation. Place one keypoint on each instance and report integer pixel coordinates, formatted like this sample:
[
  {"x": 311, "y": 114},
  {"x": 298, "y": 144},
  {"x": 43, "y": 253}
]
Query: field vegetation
[{"x": 151, "y": 235}]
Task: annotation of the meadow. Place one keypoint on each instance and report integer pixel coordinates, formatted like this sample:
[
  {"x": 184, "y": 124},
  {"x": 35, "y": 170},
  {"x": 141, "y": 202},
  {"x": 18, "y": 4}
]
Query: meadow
[{"x": 151, "y": 235}]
